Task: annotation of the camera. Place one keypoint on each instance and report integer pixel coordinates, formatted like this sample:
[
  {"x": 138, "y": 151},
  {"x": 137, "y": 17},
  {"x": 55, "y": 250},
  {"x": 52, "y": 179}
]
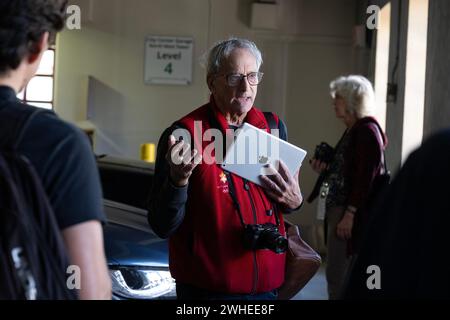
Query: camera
[
  {"x": 324, "y": 152},
  {"x": 264, "y": 236}
]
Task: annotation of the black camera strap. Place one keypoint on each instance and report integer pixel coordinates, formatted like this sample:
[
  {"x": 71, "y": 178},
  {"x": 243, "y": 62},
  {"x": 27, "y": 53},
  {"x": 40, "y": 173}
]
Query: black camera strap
[
  {"x": 231, "y": 187},
  {"x": 232, "y": 191},
  {"x": 277, "y": 218},
  {"x": 274, "y": 207},
  {"x": 383, "y": 154}
]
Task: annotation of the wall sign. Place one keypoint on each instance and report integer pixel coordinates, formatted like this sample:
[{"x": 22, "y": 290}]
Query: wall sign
[{"x": 168, "y": 60}]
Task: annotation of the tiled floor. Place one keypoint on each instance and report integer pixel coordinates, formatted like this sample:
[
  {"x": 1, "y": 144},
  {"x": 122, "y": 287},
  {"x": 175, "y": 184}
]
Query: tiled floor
[{"x": 316, "y": 289}]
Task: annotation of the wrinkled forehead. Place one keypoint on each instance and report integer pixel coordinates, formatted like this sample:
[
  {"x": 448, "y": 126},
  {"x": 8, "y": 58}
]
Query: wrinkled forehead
[{"x": 239, "y": 60}]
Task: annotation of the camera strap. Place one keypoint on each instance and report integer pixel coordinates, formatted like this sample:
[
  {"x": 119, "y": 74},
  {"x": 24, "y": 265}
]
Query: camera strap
[
  {"x": 277, "y": 217},
  {"x": 383, "y": 154},
  {"x": 232, "y": 191}
]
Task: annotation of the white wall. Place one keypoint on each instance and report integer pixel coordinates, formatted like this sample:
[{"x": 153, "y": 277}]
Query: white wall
[
  {"x": 311, "y": 47},
  {"x": 111, "y": 49}
]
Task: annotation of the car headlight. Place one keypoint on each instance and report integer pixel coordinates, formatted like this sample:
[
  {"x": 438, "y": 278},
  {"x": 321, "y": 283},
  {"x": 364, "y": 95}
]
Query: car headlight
[{"x": 142, "y": 283}]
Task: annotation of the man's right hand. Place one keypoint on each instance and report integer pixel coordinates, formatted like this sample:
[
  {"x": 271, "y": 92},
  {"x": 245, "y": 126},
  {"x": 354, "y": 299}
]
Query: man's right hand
[
  {"x": 318, "y": 166},
  {"x": 182, "y": 161}
]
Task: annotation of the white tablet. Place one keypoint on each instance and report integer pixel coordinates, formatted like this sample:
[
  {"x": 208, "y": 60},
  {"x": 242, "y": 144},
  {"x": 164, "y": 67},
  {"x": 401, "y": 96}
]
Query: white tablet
[{"x": 254, "y": 149}]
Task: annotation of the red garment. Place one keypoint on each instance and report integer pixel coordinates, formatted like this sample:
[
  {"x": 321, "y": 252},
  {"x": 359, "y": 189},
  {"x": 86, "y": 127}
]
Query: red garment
[{"x": 207, "y": 250}]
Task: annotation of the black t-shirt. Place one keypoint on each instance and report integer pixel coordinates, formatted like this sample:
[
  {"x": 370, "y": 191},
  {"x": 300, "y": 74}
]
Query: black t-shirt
[{"x": 63, "y": 159}]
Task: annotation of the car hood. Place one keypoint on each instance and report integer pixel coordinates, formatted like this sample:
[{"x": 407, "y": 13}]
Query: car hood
[{"x": 129, "y": 240}]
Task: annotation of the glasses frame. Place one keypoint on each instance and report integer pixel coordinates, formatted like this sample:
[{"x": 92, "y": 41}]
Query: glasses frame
[{"x": 241, "y": 77}]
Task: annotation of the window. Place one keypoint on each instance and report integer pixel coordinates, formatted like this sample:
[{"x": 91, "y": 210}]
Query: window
[
  {"x": 415, "y": 76},
  {"x": 39, "y": 91}
]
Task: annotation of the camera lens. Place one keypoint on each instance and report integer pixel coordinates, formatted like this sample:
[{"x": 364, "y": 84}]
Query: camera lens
[
  {"x": 264, "y": 236},
  {"x": 271, "y": 239},
  {"x": 277, "y": 243}
]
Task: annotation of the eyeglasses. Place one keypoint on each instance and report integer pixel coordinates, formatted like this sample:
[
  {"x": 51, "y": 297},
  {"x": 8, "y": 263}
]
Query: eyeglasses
[{"x": 234, "y": 79}]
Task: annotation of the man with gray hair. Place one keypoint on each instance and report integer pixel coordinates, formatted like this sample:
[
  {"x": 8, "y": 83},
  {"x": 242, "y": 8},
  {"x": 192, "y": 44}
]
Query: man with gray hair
[{"x": 204, "y": 210}]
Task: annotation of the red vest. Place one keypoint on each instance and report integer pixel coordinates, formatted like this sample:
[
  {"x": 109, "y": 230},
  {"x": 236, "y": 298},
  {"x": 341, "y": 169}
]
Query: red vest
[{"x": 207, "y": 251}]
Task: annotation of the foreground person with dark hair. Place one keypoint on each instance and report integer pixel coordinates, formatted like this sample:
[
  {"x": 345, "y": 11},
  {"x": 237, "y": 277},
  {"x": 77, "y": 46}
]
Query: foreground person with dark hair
[
  {"x": 404, "y": 254},
  {"x": 59, "y": 152}
]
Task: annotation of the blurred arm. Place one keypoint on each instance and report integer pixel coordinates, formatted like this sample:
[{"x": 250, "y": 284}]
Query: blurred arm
[{"x": 84, "y": 243}]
